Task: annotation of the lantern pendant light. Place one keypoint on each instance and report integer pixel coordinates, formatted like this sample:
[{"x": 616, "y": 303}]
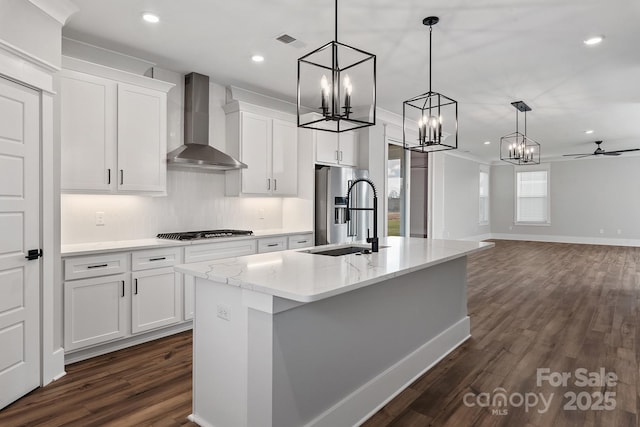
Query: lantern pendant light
[
  {"x": 517, "y": 148},
  {"x": 336, "y": 87},
  {"x": 430, "y": 120}
]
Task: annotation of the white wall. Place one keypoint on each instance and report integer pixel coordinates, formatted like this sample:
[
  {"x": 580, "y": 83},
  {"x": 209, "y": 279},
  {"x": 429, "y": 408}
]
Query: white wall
[
  {"x": 455, "y": 212},
  {"x": 587, "y": 195}
]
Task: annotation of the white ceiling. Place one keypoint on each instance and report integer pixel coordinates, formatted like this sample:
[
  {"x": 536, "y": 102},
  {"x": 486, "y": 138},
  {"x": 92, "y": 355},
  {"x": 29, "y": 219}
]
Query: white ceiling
[{"x": 487, "y": 53}]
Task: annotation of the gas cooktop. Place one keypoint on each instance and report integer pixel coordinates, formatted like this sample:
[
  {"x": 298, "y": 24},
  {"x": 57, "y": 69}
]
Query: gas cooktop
[{"x": 207, "y": 234}]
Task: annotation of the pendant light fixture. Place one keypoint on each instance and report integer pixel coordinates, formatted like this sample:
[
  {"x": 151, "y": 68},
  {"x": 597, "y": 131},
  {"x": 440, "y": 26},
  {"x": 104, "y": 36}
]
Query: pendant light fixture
[
  {"x": 517, "y": 148},
  {"x": 336, "y": 87},
  {"x": 430, "y": 120}
]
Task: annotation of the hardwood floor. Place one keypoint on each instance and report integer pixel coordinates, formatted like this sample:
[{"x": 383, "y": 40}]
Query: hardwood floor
[{"x": 532, "y": 305}]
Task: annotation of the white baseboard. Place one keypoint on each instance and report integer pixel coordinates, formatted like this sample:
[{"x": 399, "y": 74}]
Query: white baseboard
[
  {"x": 99, "y": 350},
  {"x": 479, "y": 237},
  {"x": 196, "y": 419},
  {"x": 566, "y": 239},
  {"x": 58, "y": 356},
  {"x": 360, "y": 405}
]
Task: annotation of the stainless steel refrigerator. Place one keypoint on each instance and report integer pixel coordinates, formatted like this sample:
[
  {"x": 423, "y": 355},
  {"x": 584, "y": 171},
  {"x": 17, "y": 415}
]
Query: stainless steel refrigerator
[{"x": 331, "y": 225}]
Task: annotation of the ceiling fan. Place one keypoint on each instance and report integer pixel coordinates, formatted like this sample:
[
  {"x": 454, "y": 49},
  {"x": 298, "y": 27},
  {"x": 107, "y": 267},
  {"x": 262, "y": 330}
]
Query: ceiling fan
[{"x": 599, "y": 151}]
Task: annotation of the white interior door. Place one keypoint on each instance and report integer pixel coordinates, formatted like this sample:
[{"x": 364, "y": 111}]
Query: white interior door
[{"x": 20, "y": 231}]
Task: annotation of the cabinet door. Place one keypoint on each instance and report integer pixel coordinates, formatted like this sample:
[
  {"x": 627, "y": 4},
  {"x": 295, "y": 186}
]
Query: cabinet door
[
  {"x": 156, "y": 299},
  {"x": 142, "y": 139},
  {"x": 327, "y": 147},
  {"x": 95, "y": 310},
  {"x": 87, "y": 131},
  {"x": 284, "y": 169},
  {"x": 347, "y": 149},
  {"x": 255, "y": 145}
]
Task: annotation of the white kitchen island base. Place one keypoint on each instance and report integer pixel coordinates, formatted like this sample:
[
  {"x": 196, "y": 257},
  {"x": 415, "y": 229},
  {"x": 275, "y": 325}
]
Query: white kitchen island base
[{"x": 264, "y": 360}]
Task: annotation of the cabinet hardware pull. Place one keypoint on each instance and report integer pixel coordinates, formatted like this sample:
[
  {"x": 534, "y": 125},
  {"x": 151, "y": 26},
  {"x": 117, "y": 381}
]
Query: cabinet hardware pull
[
  {"x": 121, "y": 176},
  {"x": 158, "y": 259},
  {"x": 275, "y": 184},
  {"x": 268, "y": 184},
  {"x": 109, "y": 176},
  {"x": 340, "y": 155},
  {"x": 302, "y": 241},
  {"x": 337, "y": 155},
  {"x": 270, "y": 245},
  {"x": 123, "y": 289},
  {"x": 97, "y": 265},
  {"x": 136, "y": 291}
]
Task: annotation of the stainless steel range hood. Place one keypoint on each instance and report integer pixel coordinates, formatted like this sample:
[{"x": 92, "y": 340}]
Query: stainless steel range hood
[{"x": 196, "y": 151}]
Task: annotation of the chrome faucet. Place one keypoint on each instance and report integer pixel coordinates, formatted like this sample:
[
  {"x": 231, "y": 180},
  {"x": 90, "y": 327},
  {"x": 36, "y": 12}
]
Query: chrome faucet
[{"x": 373, "y": 240}]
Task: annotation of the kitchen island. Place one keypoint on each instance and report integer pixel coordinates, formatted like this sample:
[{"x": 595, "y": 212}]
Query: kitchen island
[{"x": 295, "y": 338}]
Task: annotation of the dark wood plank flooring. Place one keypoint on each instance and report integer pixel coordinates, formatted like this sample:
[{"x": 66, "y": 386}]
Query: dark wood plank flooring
[{"x": 532, "y": 305}]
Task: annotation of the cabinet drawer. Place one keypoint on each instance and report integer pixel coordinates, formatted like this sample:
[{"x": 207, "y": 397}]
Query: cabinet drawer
[
  {"x": 155, "y": 258},
  {"x": 300, "y": 241},
  {"x": 95, "y": 266},
  {"x": 272, "y": 244},
  {"x": 211, "y": 251}
]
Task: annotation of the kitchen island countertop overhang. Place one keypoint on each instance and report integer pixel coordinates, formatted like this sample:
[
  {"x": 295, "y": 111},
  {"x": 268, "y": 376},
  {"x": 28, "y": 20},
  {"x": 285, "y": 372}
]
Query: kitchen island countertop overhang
[{"x": 302, "y": 276}]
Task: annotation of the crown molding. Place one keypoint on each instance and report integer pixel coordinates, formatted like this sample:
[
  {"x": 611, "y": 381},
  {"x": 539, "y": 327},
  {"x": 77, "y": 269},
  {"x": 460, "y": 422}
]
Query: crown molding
[{"x": 60, "y": 10}]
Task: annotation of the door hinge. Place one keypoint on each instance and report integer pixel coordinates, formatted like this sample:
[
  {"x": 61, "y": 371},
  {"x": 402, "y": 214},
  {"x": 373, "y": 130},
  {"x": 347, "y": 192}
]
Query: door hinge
[{"x": 33, "y": 254}]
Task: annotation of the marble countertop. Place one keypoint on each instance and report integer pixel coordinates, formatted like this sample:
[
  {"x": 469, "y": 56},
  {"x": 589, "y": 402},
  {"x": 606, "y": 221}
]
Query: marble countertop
[
  {"x": 124, "y": 245},
  {"x": 304, "y": 277}
]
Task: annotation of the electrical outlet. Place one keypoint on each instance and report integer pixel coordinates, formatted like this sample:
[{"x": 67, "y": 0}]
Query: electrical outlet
[
  {"x": 619, "y": 231},
  {"x": 99, "y": 218},
  {"x": 260, "y": 213},
  {"x": 223, "y": 312},
  {"x": 601, "y": 231}
]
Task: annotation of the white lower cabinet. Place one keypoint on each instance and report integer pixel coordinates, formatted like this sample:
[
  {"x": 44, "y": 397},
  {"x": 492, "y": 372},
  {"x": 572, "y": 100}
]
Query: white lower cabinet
[
  {"x": 272, "y": 244},
  {"x": 156, "y": 299},
  {"x": 115, "y": 296},
  {"x": 95, "y": 310},
  {"x": 298, "y": 241}
]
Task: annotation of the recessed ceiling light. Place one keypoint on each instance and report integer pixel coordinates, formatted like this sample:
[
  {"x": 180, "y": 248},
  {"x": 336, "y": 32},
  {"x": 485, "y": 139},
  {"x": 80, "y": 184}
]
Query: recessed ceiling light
[
  {"x": 487, "y": 142},
  {"x": 257, "y": 58},
  {"x": 589, "y": 131},
  {"x": 593, "y": 40},
  {"x": 150, "y": 17}
]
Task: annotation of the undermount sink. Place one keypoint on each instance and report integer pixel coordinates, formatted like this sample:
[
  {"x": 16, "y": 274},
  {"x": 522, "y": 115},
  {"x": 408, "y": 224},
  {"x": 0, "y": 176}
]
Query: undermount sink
[{"x": 344, "y": 250}]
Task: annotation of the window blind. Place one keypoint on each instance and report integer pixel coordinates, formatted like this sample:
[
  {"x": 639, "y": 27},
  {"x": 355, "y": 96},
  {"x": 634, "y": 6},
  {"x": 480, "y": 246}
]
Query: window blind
[
  {"x": 484, "y": 198},
  {"x": 532, "y": 199}
]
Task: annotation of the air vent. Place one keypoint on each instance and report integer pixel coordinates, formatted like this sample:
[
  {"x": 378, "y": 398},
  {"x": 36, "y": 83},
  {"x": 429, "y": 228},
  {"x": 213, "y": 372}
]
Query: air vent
[{"x": 286, "y": 39}]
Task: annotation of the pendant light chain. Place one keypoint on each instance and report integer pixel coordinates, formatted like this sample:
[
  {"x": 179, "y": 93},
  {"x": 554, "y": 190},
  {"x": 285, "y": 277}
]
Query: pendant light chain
[
  {"x": 430, "y": 50},
  {"x": 336, "y": 22}
]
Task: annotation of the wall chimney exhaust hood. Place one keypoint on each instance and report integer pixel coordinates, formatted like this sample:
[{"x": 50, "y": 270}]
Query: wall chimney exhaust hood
[{"x": 196, "y": 151}]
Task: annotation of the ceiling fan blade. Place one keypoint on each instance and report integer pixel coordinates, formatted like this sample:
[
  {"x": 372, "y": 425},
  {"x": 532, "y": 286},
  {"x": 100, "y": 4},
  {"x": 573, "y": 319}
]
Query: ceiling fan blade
[
  {"x": 579, "y": 154},
  {"x": 623, "y": 151},
  {"x": 611, "y": 153},
  {"x": 584, "y": 155}
]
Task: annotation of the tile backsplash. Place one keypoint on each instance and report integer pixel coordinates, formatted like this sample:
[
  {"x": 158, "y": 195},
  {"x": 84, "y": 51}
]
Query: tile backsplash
[{"x": 195, "y": 201}]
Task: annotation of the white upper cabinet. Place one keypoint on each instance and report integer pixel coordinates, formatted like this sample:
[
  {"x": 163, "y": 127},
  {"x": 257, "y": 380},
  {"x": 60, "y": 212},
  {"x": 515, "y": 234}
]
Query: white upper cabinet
[
  {"x": 88, "y": 129},
  {"x": 113, "y": 130},
  {"x": 255, "y": 153},
  {"x": 336, "y": 148},
  {"x": 284, "y": 169},
  {"x": 142, "y": 139},
  {"x": 268, "y": 144}
]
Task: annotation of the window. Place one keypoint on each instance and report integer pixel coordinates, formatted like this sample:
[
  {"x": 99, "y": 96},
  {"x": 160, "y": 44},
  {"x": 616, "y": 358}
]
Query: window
[
  {"x": 532, "y": 196},
  {"x": 395, "y": 190},
  {"x": 484, "y": 197}
]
